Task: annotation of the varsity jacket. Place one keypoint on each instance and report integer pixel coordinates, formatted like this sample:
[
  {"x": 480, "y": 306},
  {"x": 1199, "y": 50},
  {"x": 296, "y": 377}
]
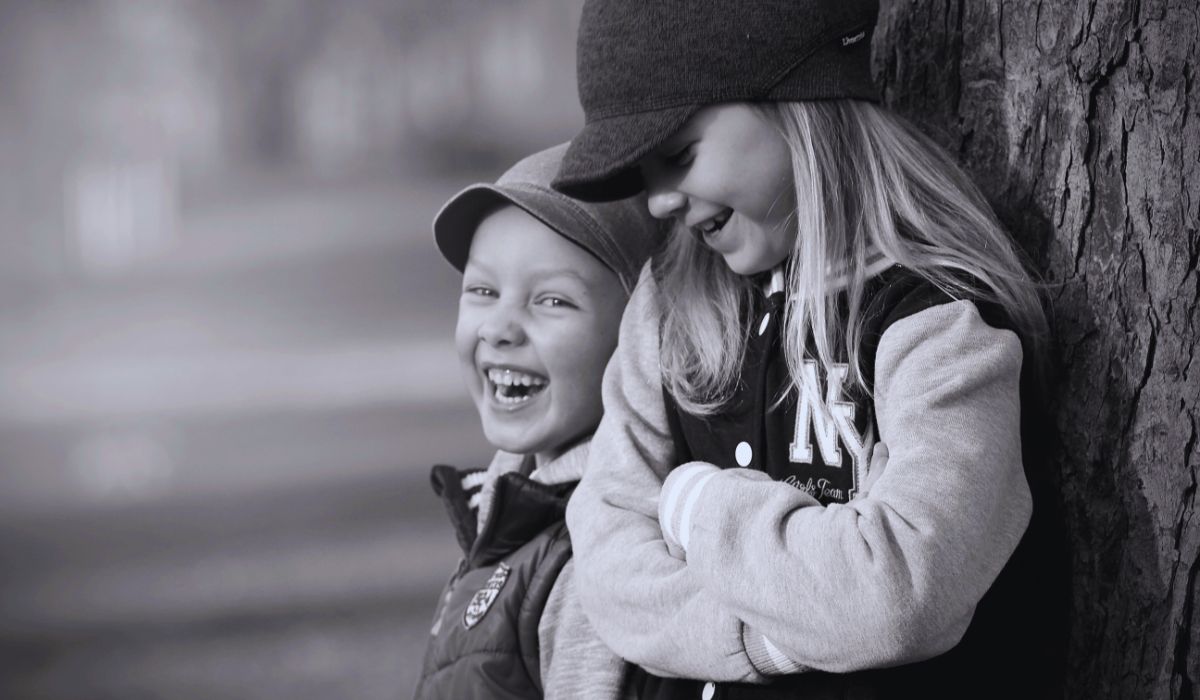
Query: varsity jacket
[
  {"x": 787, "y": 567},
  {"x": 509, "y": 624}
]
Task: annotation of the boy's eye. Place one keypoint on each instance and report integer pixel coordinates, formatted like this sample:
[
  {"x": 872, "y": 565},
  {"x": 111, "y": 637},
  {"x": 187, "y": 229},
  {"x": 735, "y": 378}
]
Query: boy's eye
[
  {"x": 479, "y": 290},
  {"x": 555, "y": 302}
]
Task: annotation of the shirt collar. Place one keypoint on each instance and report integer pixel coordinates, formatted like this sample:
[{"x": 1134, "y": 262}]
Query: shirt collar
[{"x": 839, "y": 276}]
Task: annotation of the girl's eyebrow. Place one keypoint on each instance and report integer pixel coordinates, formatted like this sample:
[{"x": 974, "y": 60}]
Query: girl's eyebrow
[
  {"x": 675, "y": 140},
  {"x": 671, "y": 143}
]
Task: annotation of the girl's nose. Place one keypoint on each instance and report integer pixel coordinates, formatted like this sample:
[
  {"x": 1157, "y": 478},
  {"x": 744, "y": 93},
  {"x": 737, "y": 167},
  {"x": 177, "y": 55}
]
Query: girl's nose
[
  {"x": 665, "y": 203},
  {"x": 501, "y": 328}
]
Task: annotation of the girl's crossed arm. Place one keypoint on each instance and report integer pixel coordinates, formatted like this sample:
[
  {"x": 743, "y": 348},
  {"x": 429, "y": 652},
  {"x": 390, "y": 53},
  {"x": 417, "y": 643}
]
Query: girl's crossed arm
[
  {"x": 894, "y": 577},
  {"x": 647, "y": 605},
  {"x": 888, "y": 579}
]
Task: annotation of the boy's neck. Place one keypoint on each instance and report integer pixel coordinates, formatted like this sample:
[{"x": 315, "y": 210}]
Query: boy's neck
[
  {"x": 541, "y": 459},
  {"x": 564, "y": 464}
]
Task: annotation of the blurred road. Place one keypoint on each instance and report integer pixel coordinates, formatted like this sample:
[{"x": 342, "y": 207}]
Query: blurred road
[{"x": 215, "y": 464}]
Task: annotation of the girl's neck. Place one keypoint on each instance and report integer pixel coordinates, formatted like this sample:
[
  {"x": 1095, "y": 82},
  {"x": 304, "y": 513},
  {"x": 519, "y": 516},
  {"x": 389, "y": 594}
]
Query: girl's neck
[{"x": 775, "y": 280}]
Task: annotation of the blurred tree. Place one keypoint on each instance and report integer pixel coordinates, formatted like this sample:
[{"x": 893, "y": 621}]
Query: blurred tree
[{"x": 1081, "y": 121}]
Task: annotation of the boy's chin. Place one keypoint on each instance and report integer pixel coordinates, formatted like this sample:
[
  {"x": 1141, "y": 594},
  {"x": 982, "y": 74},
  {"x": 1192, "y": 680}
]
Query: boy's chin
[
  {"x": 542, "y": 446},
  {"x": 504, "y": 440}
]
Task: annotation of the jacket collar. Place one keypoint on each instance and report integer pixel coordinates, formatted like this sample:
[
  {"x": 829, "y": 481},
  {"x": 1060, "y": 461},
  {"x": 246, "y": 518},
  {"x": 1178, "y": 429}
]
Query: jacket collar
[{"x": 515, "y": 503}]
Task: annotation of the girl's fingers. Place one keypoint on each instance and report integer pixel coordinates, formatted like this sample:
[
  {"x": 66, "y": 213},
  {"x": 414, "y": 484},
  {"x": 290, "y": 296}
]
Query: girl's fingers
[{"x": 879, "y": 458}]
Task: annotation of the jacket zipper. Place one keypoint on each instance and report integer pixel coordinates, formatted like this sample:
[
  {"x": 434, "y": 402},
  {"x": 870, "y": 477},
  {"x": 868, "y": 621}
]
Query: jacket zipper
[{"x": 445, "y": 605}]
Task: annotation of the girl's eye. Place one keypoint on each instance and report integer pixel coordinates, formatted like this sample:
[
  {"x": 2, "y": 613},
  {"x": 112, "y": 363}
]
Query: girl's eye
[{"x": 681, "y": 156}]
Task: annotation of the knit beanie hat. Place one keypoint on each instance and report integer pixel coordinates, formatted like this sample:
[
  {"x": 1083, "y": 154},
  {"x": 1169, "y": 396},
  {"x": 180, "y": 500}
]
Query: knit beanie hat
[
  {"x": 646, "y": 66},
  {"x": 620, "y": 234}
]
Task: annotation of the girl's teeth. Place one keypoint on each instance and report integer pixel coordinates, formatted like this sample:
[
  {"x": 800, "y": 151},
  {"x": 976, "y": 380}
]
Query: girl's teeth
[{"x": 714, "y": 224}]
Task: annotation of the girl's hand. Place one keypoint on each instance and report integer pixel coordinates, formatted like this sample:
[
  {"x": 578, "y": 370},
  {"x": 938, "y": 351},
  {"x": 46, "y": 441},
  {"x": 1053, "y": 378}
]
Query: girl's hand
[
  {"x": 677, "y": 497},
  {"x": 879, "y": 459}
]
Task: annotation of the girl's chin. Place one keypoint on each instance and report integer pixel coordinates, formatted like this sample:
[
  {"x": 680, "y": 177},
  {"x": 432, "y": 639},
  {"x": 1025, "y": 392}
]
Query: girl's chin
[
  {"x": 746, "y": 269},
  {"x": 744, "y": 264}
]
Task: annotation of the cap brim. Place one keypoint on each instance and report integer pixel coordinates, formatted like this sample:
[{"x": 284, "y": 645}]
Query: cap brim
[
  {"x": 454, "y": 225},
  {"x": 601, "y": 163}
]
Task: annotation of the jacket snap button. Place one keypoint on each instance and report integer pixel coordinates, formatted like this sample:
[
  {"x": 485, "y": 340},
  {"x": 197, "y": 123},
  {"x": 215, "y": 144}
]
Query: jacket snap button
[
  {"x": 710, "y": 689},
  {"x": 743, "y": 454}
]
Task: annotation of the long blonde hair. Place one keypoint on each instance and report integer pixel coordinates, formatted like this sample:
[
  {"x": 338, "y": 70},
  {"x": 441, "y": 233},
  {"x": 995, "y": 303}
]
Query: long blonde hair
[{"x": 865, "y": 180}]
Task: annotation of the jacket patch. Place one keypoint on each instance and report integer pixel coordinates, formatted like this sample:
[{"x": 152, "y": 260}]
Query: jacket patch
[
  {"x": 828, "y": 418},
  {"x": 482, "y": 601}
]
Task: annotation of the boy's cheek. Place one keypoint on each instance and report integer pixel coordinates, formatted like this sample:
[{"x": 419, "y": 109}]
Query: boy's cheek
[{"x": 464, "y": 343}]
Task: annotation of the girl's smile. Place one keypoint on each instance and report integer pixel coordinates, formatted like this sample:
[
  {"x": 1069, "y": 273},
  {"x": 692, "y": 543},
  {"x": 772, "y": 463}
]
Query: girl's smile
[{"x": 726, "y": 176}]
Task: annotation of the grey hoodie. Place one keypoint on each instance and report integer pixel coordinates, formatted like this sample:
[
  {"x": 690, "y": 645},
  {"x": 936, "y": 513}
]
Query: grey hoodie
[{"x": 886, "y": 579}]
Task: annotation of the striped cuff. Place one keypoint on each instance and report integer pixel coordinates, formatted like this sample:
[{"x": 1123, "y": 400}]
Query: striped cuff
[
  {"x": 678, "y": 499},
  {"x": 767, "y": 658}
]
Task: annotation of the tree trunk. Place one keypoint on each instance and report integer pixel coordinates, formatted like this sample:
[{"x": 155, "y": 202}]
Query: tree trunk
[{"x": 1080, "y": 120}]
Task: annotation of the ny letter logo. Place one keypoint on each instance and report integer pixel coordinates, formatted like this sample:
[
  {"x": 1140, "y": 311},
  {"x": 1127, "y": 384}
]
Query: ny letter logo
[{"x": 828, "y": 419}]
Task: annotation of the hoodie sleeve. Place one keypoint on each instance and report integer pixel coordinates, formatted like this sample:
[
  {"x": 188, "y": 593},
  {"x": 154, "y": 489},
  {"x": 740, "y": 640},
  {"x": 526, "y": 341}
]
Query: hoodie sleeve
[
  {"x": 893, "y": 577},
  {"x": 648, "y": 606},
  {"x": 575, "y": 664}
]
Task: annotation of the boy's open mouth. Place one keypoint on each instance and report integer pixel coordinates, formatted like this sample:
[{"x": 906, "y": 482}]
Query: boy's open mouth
[{"x": 512, "y": 387}]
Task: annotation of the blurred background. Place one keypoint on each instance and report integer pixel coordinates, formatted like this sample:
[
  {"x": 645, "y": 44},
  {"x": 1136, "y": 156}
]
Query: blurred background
[{"x": 226, "y": 362}]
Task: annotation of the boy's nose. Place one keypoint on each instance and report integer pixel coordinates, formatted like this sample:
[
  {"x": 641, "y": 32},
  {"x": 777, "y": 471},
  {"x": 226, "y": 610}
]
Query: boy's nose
[
  {"x": 501, "y": 329},
  {"x": 665, "y": 203}
]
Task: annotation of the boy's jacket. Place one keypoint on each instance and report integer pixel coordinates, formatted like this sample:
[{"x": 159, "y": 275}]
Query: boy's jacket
[{"x": 485, "y": 633}]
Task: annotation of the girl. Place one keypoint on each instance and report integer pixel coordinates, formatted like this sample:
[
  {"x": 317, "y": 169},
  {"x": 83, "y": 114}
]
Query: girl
[{"x": 834, "y": 280}]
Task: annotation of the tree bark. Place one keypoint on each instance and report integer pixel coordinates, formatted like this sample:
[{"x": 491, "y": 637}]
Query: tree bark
[{"x": 1080, "y": 120}]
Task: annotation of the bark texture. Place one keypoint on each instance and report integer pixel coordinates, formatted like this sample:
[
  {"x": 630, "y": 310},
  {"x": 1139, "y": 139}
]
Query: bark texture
[{"x": 1080, "y": 120}]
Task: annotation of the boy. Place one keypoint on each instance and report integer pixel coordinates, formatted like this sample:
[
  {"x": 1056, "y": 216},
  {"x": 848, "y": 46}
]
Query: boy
[{"x": 545, "y": 280}]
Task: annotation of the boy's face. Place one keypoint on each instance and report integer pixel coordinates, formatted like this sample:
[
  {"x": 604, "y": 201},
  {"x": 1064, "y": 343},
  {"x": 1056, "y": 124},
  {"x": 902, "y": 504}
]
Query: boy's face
[{"x": 537, "y": 322}]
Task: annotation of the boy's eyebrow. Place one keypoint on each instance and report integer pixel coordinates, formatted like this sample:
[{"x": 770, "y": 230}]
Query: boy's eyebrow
[
  {"x": 473, "y": 261},
  {"x": 541, "y": 271},
  {"x": 560, "y": 272}
]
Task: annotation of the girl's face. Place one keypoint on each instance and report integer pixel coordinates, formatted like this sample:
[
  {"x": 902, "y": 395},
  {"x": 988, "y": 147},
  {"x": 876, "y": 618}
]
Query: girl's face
[
  {"x": 537, "y": 322},
  {"x": 726, "y": 176}
]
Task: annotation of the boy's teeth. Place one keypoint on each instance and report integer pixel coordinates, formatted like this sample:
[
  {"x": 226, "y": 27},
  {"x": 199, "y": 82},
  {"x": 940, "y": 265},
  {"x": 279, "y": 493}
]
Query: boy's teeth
[
  {"x": 510, "y": 377},
  {"x": 512, "y": 387}
]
